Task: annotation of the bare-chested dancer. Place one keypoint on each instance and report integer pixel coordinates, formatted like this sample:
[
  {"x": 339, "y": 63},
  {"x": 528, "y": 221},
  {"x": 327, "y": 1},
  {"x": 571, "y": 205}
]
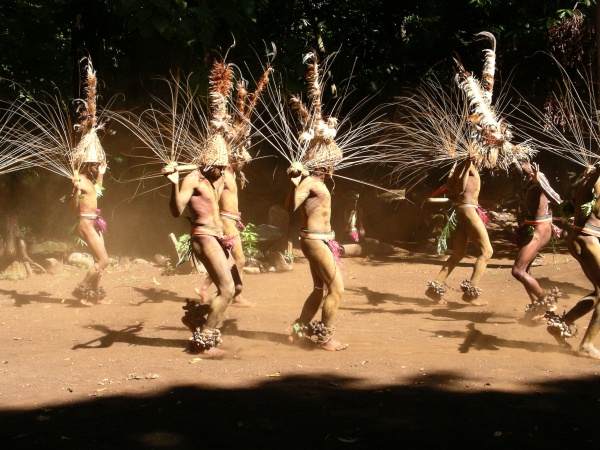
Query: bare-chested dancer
[
  {"x": 318, "y": 244},
  {"x": 534, "y": 232},
  {"x": 210, "y": 246},
  {"x": 584, "y": 245},
  {"x": 90, "y": 228},
  {"x": 232, "y": 223},
  {"x": 463, "y": 187}
]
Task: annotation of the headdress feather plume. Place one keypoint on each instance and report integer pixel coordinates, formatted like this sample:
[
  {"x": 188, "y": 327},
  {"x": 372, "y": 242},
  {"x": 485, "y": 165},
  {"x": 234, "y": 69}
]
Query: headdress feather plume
[{"x": 221, "y": 85}]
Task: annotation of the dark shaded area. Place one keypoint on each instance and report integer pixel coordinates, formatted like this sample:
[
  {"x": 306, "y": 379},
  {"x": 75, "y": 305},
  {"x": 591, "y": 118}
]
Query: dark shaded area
[{"x": 432, "y": 411}]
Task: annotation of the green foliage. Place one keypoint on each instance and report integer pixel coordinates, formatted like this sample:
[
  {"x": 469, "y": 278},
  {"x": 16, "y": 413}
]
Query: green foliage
[
  {"x": 249, "y": 239},
  {"x": 184, "y": 248}
]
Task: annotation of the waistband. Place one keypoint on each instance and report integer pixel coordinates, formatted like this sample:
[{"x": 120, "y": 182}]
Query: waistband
[
  {"x": 206, "y": 230},
  {"x": 590, "y": 230},
  {"x": 89, "y": 216},
  {"x": 537, "y": 220},
  {"x": 231, "y": 215},
  {"x": 317, "y": 235}
]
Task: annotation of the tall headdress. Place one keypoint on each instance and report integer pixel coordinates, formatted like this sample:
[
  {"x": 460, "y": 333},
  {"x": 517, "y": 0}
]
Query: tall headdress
[
  {"x": 491, "y": 136},
  {"x": 89, "y": 149},
  {"x": 322, "y": 151},
  {"x": 215, "y": 150}
]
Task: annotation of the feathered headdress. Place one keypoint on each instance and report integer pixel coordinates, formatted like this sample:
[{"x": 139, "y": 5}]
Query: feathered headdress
[
  {"x": 89, "y": 149},
  {"x": 245, "y": 104},
  {"x": 215, "y": 150},
  {"x": 322, "y": 152},
  {"x": 492, "y": 137}
]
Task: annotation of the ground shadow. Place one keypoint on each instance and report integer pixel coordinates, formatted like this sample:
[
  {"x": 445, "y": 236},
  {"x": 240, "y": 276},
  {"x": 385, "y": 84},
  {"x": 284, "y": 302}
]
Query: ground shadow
[
  {"x": 154, "y": 295},
  {"x": 433, "y": 410},
  {"x": 477, "y": 340},
  {"x": 375, "y": 298},
  {"x": 127, "y": 335},
  {"x": 230, "y": 328},
  {"x": 41, "y": 297}
]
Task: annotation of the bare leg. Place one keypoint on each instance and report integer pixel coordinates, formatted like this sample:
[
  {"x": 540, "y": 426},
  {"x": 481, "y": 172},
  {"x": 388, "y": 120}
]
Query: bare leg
[
  {"x": 521, "y": 269},
  {"x": 213, "y": 257},
  {"x": 324, "y": 271},
  {"x": 95, "y": 240},
  {"x": 586, "y": 249},
  {"x": 587, "y": 347},
  {"x": 460, "y": 240},
  {"x": 202, "y": 291},
  {"x": 240, "y": 261},
  {"x": 469, "y": 219},
  {"x": 527, "y": 255}
]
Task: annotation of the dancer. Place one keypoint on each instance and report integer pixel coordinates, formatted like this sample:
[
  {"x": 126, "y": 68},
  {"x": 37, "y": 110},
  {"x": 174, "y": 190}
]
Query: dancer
[
  {"x": 485, "y": 139},
  {"x": 90, "y": 159},
  {"x": 468, "y": 222},
  {"x": 310, "y": 194},
  {"x": 90, "y": 227},
  {"x": 317, "y": 241},
  {"x": 239, "y": 143},
  {"x": 535, "y": 231},
  {"x": 315, "y": 145},
  {"x": 584, "y": 245},
  {"x": 208, "y": 243}
]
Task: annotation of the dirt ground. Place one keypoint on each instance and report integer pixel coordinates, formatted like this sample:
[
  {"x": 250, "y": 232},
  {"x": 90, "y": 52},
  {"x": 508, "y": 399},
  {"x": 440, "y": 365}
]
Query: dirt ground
[{"x": 415, "y": 375}]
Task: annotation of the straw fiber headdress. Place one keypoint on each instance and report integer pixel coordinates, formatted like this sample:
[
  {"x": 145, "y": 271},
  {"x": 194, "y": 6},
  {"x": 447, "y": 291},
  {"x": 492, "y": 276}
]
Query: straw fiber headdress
[
  {"x": 492, "y": 137},
  {"x": 322, "y": 151},
  {"x": 89, "y": 149}
]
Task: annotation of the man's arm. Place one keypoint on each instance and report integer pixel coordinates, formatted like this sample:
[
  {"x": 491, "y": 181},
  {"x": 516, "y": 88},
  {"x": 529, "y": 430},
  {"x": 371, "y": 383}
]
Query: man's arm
[
  {"x": 540, "y": 179},
  {"x": 302, "y": 192},
  {"x": 466, "y": 169},
  {"x": 180, "y": 197},
  {"x": 289, "y": 199}
]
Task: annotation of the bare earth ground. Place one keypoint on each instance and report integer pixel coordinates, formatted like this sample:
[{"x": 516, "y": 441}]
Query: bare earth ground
[{"x": 415, "y": 375}]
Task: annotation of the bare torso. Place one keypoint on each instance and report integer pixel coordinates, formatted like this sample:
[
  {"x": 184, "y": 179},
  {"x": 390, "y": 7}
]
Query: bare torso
[
  {"x": 464, "y": 184},
  {"x": 314, "y": 197},
  {"x": 228, "y": 193},
  {"x": 535, "y": 203},
  {"x": 87, "y": 203},
  {"x": 203, "y": 205},
  {"x": 588, "y": 191}
]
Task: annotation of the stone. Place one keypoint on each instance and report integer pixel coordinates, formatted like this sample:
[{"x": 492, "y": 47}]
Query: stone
[
  {"x": 52, "y": 266},
  {"x": 267, "y": 233},
  {"x": 160, "y": 260},
  {"x": 81, "y": 259},
  {"x": 277, "y": 260},
  {"x": 140, "y": 261},
  {"x": 16, "y": 271}
]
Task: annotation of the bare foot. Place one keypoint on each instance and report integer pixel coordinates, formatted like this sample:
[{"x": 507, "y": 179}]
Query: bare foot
[
  {"x": 441, "y": 301},
  {"x": 589, "y": 352},
  {"x": 241, "y": 302},
  {"x": 85, "y": 302},
  {"x": 535, "y": 317},
  {"x": 435, "y": 296},
  {"x": 333, "y": 345},
  {"x": 212, "y": 353},
  {"x": 559, "y": 338},
  {"x": 104, "y": 302},
  {"x": 475, "y": 301},
  {"x": 204, "y": 298}
]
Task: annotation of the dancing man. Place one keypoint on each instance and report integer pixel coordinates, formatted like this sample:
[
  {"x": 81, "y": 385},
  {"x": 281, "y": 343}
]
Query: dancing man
[
  {"x": 231, "y": 219},
  {"x": 317, "y": 241},
  {"x": 468, "y": 222},
  {"x": 208, "y": 242},
  {"x": 89, "y": 159},
  {"x": 584, "y": 246},
  {"x": 90, "y": 227},
  {"x": 534, "y": 232}
]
